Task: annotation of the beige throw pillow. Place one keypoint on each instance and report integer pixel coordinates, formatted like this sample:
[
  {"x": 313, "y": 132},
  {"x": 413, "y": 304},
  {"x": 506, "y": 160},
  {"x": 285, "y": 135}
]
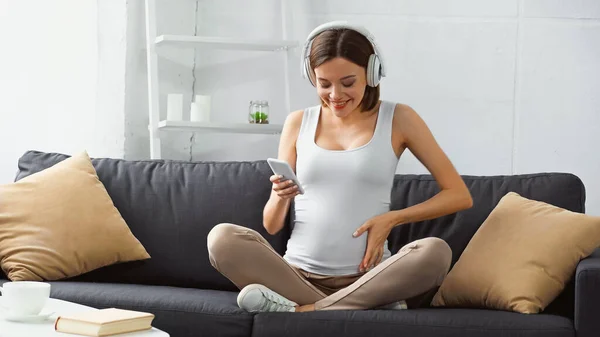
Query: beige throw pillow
[
  {"x": 61, "y": 222},
  {"x": 520, "y": 258}
]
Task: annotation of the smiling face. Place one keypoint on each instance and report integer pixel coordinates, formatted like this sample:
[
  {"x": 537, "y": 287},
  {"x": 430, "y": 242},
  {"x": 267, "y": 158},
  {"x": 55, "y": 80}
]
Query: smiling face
[
  {"x": 341, "y": 85},
  {"x": 338, "y": 59}
]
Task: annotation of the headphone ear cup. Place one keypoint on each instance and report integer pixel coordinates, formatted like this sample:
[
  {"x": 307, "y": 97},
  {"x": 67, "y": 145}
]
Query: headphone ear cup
[
  {"x": 373, "y": 71},
  {"x": 308, "y": 72}
]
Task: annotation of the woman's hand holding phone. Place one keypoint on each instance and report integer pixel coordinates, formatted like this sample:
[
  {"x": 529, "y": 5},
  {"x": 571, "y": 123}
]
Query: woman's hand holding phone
[
  {"x": 284, "y": 180},
  {"x": 285, "y": 189}
]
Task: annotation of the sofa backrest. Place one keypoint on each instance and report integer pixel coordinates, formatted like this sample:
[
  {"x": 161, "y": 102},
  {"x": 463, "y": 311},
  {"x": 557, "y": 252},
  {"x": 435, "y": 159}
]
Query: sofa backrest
[
  {"x": 561, "y": 189},
  {"x": 170, "y": 206}
]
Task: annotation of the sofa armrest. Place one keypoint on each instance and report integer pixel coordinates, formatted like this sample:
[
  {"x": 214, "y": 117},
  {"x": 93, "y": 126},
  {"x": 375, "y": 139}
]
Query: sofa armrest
[{"x": 587, "y": 296}]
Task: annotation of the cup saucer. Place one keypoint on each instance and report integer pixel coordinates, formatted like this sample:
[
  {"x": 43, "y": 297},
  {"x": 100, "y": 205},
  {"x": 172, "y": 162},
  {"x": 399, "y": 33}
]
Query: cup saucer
[{"x": 25, "y": 318}]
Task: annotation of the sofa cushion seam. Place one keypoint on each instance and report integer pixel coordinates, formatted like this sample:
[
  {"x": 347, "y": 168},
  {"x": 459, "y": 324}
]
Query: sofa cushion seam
[
  {"x": 187, "y": 311},
  {"x": 441, "y": 326}
]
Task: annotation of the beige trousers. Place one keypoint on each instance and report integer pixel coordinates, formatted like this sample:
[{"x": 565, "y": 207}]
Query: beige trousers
[{"x": 245, "y": 257}]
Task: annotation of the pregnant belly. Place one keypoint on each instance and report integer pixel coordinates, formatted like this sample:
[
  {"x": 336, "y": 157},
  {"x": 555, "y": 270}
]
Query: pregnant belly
[
  {"x": 327, "y": 245},
  {"x": 322, "y": 234}
]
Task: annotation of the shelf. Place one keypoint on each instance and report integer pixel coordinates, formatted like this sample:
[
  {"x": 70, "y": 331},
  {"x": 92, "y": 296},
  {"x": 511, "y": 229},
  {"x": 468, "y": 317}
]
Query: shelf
[
  {"x": 224, "y": 43},
  {"x": 220, "y": 127},
  {"x": 169, "y": 44}
]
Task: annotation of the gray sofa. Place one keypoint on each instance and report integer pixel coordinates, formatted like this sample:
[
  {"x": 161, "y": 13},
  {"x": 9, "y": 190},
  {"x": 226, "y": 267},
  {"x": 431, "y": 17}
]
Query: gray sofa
[{"x": 171, "y": 206}]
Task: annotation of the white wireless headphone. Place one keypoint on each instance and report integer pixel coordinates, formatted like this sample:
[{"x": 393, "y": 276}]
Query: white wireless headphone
[{"x": 375, "y": 67}]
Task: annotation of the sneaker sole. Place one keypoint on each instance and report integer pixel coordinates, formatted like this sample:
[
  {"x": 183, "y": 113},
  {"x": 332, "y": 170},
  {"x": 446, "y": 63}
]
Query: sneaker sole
[
  {"x": 251, "y": 287},
  {"x": 245, "y": 291}
]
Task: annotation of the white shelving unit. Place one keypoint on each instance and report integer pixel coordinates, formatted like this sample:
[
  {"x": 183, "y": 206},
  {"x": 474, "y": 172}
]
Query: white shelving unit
[
  {"x": 158, "y": 127},
  {"x": 220, "y": 127},
  {"x": 223, "y": 43}
]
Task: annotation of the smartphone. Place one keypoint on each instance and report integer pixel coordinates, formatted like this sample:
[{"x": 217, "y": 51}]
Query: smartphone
[{"x": 282, "y": 168}]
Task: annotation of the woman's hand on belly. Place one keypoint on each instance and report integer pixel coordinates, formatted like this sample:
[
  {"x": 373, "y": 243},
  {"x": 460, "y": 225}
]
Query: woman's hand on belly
[{"x": 378, "y": 229}]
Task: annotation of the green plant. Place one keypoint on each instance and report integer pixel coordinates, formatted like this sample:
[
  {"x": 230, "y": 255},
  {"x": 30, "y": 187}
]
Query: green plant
[{"x": 260, "y": 116}]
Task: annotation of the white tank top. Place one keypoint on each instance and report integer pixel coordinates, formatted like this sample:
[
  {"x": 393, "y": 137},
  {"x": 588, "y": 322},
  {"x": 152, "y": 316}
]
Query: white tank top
[{"x": 343, "y": 189}]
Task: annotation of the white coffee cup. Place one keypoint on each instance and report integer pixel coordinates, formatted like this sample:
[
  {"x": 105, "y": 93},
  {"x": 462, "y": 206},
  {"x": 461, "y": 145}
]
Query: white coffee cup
[{"x": 24, "y": 297}]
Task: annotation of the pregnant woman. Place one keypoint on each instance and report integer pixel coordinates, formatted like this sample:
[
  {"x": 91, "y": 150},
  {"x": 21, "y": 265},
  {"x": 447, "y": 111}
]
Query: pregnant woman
[{"x": 345, "y": 152}]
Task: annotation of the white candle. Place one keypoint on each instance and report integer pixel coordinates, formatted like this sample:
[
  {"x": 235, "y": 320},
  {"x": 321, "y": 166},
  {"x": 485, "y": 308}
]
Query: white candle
[
  {"x": 174, "y": 107},
  {"x": 200, "y": 109}
]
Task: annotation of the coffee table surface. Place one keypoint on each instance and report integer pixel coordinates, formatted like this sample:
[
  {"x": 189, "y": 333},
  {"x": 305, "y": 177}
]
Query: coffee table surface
[{"x": 45, "y": 328}]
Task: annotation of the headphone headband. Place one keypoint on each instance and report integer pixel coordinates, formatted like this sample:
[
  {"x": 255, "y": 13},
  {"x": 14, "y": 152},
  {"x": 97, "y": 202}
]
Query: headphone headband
[{"x": 339, "y": 25}]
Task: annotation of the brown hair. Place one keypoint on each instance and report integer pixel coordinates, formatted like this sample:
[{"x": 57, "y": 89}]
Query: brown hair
[{"x": 350, "y": 45}]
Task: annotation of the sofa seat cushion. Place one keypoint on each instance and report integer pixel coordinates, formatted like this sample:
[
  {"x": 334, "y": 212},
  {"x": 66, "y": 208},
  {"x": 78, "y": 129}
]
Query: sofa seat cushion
[
  {"x": 181, "y": 312},
  {"x": 417, "y": 322}
]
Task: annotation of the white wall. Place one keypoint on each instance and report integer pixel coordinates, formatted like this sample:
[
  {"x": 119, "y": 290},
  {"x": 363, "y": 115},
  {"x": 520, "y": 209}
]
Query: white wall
[
  {"x": 55, "y": 65},
  {"x": 557, "y": 124},
  {"x": 507, "y": 86}
]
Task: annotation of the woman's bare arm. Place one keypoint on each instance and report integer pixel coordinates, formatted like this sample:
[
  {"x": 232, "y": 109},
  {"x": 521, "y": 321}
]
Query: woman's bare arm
[
  {"x": 454, "y": 194},
  {"x": 277, "y": 208}
]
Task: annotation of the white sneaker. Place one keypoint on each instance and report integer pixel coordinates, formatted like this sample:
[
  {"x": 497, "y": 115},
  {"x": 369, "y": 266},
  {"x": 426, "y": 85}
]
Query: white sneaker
[
  {"x": 399, "y": 305},
  {"x": 258, "y": 298}
]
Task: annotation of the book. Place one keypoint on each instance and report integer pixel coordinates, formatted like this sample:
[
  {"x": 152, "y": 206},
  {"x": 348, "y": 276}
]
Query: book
[{"x": 104, "y": 322}]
